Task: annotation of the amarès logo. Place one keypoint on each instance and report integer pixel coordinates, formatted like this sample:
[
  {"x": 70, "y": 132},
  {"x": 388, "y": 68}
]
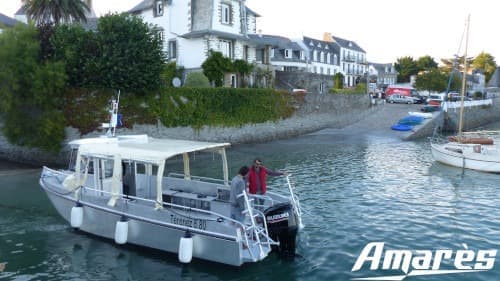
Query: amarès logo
[{"x": 422, "y": 262}]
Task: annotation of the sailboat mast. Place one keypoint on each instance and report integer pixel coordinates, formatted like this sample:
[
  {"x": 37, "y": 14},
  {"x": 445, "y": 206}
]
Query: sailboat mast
[{"x": 464, "y": 80}]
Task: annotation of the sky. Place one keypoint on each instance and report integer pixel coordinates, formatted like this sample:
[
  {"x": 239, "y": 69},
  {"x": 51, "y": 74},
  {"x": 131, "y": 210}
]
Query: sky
[{"x": 385, "y": 29}]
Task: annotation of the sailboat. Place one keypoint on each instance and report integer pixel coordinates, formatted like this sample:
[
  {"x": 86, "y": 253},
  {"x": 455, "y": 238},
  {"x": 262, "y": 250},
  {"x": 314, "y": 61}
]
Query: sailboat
[{"x": 467, "y": 150}]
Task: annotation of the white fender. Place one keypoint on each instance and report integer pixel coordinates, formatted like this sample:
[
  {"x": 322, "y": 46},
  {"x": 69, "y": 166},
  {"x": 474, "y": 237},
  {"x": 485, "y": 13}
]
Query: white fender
[
  {"x": 76, "y": 216},
  {"x": 186, "y": 249},
  {"x": 121, "y": 232}
]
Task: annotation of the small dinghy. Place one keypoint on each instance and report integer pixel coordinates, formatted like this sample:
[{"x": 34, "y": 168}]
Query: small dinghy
[
  {"x": 411, "y": 120},
  {"x": 401, "y": 127},
  {"x": 420, "y": 114}
]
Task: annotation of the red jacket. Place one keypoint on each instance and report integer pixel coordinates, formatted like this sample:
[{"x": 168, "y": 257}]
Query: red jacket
[{"x": 252, "y": 180}]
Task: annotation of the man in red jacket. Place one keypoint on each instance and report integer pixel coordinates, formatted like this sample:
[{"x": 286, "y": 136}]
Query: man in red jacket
[{"x": 257, "y": 178}]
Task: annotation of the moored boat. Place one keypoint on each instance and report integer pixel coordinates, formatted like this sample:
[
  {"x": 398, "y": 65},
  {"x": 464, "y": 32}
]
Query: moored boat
[
  {"x": 467, "y": 152},
  {"x": 145, "y": 191}
]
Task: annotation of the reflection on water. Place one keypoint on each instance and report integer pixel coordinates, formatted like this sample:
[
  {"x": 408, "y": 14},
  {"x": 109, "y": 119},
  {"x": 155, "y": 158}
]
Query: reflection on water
[{"x": 354, "y": 189}]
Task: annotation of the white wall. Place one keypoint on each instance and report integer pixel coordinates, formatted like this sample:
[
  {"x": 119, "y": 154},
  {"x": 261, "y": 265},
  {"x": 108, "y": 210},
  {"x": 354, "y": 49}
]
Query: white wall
[
  {"x": 191, "y": 53},
  {"x": 235, "y": 27}
]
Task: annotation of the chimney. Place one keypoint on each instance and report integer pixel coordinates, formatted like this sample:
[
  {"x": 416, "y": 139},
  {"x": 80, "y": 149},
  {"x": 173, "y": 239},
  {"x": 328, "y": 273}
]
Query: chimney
[{"x": 327, "y": 37}]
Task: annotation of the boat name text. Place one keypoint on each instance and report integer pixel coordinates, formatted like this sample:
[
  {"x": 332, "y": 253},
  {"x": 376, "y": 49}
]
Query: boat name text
[{"x": 189, "y": 222}]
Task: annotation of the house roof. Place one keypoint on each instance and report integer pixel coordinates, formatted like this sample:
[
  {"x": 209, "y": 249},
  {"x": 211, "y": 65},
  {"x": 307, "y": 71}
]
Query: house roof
[
  {"x": 275, "y": 41},
  {"x": 495, "y": 79},
  {"x": 321, "y": 45},
  {"x": 380, "y": 67},
  {"x": 21, "y": 11},
  {"x": 7, "y": 21},
  {"x": 143, "y": 5},
  {"x": 344, "y": 43}
]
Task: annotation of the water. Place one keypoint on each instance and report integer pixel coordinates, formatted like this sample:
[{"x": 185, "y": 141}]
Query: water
[{"x": 354, "y": 189}]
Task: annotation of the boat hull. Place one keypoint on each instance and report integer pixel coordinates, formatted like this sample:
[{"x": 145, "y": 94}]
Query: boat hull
[
  {"x": 468, "y": 156},
  {"x": 213, "y": 240}
]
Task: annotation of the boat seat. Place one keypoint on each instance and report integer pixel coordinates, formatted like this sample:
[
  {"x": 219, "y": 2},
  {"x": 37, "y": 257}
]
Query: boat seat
[{"x": 192, "y": 186}]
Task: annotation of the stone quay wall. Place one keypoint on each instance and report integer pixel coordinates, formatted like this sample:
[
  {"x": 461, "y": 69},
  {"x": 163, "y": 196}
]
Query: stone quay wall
[
  {"x": 317, "y": 112},
  {"x": 473, "y": 117}
]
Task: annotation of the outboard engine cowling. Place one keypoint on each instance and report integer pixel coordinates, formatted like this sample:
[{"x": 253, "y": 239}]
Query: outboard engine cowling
[{"x": 282, "y": 225}]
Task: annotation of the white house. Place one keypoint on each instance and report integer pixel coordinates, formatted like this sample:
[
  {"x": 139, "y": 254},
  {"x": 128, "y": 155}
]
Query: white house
[
  {"x": 353, "y": 62},
  {"x": 323, "y": 56},
  {"x": 383, "y": 73},
  {"x": 191, "y": 28}
]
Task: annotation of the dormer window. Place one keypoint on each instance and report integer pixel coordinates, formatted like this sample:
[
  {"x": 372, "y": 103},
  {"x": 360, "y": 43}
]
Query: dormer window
[
  {"x": 311, "y": 43},
  {"x": 158, "y": 10},
  {"x": 302, "y": 55},
  {"x": 225, "y": 13},
  {"x": 319, "y": 45},
  {"x": 288, "y": 53}
]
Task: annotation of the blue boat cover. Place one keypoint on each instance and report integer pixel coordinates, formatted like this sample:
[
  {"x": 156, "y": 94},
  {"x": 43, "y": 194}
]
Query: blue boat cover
[
  {"x": 401, "y": 127},
  {"x": 411, "y": 120}
]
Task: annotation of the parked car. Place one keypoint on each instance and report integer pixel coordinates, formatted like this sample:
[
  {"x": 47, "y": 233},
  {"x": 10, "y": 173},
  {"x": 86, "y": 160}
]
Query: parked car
[
  {"x": 436, "y": 99},
  {"x": 418, "y": 97},
  {"x": 395, "y": 98}
]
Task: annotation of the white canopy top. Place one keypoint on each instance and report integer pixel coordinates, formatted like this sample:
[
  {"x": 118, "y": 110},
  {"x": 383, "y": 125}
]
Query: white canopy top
[{"x": 149, "y": 150}]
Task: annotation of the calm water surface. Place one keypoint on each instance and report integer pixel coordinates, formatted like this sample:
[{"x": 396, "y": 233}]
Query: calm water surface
[{"x": 354, "y": 188}]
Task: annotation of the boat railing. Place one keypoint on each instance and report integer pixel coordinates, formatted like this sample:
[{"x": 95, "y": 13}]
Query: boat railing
[
  {"x": 295, "y": 201},
  {"x": 254, "y": 231}
]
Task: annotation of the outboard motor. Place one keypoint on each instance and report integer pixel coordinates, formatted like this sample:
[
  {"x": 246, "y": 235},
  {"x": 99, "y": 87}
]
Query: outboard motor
[{"x": 282, "y": 226}]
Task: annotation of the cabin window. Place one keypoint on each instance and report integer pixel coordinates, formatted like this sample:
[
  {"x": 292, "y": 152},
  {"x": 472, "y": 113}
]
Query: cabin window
[{"x": 158, "y": 10}]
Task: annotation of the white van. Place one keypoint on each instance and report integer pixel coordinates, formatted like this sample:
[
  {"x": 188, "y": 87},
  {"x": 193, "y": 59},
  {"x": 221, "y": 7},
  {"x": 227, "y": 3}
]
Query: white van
[{"x": 436, "y": 99}]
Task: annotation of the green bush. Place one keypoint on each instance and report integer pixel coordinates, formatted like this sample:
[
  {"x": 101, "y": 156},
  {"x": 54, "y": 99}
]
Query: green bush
[
  {"x": 30, "y": 91},
  {"x": 222, "y": 106},
  {"x": 196, "y": 80}
]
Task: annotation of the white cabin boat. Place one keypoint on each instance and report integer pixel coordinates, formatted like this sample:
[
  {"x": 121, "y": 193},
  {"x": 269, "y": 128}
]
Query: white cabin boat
[{"x": 141, "y": 190}]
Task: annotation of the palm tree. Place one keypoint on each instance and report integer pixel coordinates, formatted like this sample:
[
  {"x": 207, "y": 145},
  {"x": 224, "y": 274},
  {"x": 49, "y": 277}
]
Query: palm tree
[{"x": 56, "y": 11}]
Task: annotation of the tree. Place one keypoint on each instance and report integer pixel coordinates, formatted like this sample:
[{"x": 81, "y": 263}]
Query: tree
[
  {"x": 338, "y": 81},
  {"x": 406, "y": 67},
  {"x": 486, "y": 63},
  {"x": 79, "y": 49},
  {"x": 453, "y": 64},
  {"x": 426, "y": 63},
  {"x": 432, "y": 80},
  {"x": 31, "y": 91},
  {"x": 130, "y": 54},
  {"x": 215, "y": 66},
  {"x": 47, "y": 11}
]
